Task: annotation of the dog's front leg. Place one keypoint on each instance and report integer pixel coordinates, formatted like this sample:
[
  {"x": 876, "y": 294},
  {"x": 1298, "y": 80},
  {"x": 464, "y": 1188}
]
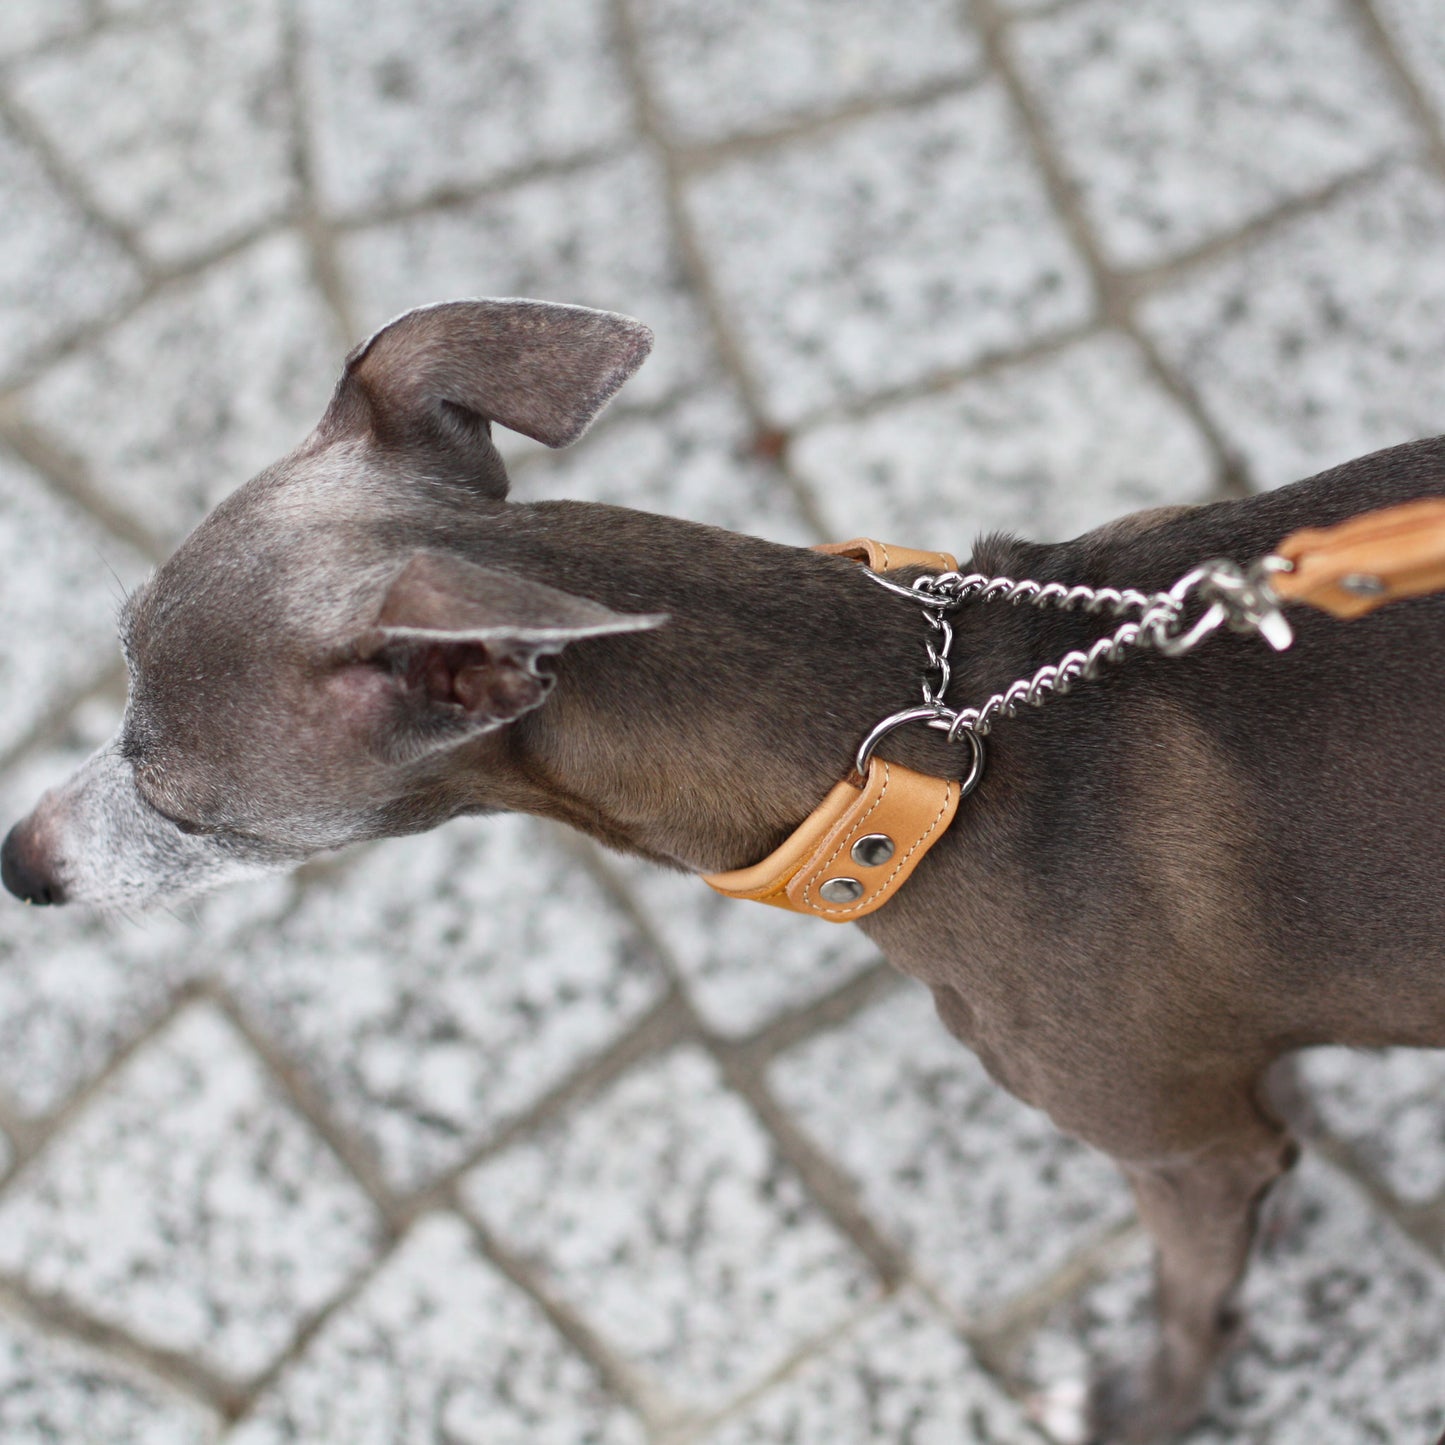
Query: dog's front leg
[{"x": 1202, "y": 1212}]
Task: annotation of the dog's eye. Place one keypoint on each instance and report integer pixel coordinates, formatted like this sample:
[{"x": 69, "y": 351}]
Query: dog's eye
[{"x": 181, "y": 825}]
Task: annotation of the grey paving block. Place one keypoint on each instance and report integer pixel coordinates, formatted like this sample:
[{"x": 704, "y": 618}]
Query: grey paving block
[
  {"x": 26, "y": 24},
  {"x": 1419, "y": 44},
  {"x": 73, "y": 989},
  {"x": 61, "y": 580},
  {"x": 743, "y": 963},
  {"x": 985, "y": 1194},
  {"x": 1158, "y": 111},
  {"x": 189, "y": 1204},
  {"x": 597, "y": 237},
  {"x": 61, "y": 271},
  {"x": 180, "y": 126},
  {"x": 1386, "y": 1105},
  {"x": 443, "y": 985},
  {"x": 885, "y": 250},
  {"x": 720, "y": 71},
  {"x": 438, "y": 1347},
  {"x": 695, "y": 459},
  {"x": 53, "y": 1390},
  {"x": 1343, "y": 1332},
  {"x": 447, "y": 94},
  {"x": 1048, "y": 448},
  {"x": 902, "y": 1377},
  {"x": 201, "y": 387},
  {"x": 663, "y": 1214},
  {"x": 1323, "y": 340}
]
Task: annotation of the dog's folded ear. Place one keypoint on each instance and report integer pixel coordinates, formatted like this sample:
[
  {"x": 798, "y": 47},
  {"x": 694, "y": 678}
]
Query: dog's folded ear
[
  {"x": 464, "y": 648},
  {"x": 441, "y": 373}
]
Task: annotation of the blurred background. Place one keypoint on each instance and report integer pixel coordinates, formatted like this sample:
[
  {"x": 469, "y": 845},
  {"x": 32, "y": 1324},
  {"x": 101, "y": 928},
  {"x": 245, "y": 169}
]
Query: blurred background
[{"x": 482, "y": 1137}]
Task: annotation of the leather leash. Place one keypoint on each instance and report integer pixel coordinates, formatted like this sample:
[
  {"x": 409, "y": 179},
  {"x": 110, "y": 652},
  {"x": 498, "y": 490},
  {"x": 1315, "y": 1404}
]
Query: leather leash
[{"x": 859, "y": 846}]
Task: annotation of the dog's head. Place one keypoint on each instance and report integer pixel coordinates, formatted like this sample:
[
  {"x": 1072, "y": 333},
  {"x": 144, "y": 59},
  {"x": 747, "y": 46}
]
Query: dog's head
[{"x": 307, "y": 667}]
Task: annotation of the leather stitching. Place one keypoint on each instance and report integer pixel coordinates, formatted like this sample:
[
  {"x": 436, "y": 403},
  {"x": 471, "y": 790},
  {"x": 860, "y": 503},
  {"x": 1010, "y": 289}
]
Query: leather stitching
[
  {"x": 843, "y": 841},
  {"x": 869, "y": 898}
]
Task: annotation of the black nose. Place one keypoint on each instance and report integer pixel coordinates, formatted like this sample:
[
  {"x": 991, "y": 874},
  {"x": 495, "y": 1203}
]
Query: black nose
[{"x": 23, "y": 874}]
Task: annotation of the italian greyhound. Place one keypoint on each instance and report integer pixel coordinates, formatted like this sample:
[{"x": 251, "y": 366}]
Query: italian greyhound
[{"x": 1164, "y": 884}]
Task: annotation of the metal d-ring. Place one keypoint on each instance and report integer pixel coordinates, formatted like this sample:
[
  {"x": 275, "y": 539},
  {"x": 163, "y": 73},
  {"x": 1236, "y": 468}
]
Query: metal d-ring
[{"x": 966, "y": 784}]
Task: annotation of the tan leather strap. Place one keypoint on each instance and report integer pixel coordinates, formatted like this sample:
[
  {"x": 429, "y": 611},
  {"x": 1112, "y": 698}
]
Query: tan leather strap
[
  {"x": 884, "y": 557},
  {"x": 855, "y": 850},
  {"x": 1362, "y": 564}
]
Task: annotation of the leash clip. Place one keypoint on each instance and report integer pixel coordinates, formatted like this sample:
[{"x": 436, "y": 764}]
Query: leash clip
[{"x": 1242, "y": 601}]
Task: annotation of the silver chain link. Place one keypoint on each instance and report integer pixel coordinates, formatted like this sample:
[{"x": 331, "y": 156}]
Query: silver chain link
[{"x": 1233, "y": 597}]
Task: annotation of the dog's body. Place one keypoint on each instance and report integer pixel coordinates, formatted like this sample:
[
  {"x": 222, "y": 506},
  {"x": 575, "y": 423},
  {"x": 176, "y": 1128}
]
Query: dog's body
[{"x": 1165, "y": 883}]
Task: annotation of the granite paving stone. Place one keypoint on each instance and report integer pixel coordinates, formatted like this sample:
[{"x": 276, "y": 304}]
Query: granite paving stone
[
  {"x": 61, "y": 270},
  {"x": 442, "y": 95},
  {"x": 164, "y": 97},
  {"x": 597, "y": 237},
  {"x": 986, "y": 1196},
  {"x": 901, "y": 1376},
  {"x": 1324, "y": 339},
  {"x": 1010, "y": 8},
  {"x": 439, "y": 987},
  {"x": 191, "y": 1205},
  {"x": 1047, "y": 448},
  {"x": 61, "y": 580},
  {"x": 719, "y": 71},
  {"x": 1158, "y": 110},
  {"x": 665, "y": 1216},
  {"x": 1386, "y": 1105},
  {"x": 1419, "y": 44},
  {"x": 743, "y": 965},
  {"x": 200, "y": 388},
  {"x": 438, "y": 1347},
  {"x": 696, "y": 459},
  {"x": 1342, "y": 1335},
  {"x": 27, "y": 24},
  {"x": 53, "y": 1390},
  {"x": 885, "y": 250}
]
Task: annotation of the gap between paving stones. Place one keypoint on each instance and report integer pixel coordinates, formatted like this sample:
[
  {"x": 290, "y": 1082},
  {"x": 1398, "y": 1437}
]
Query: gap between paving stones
[
  {"x": 616, "y": 1374},
  {"x": 1136, "y": 285},
  {"x": 694, "y": 263},
  {"x": 317, "y": 232},
  {"x": 1407, "y": 88},
  {"x": 699, "y": 157},
  {"x": 694, "y": 1429},
  {"x": 65, "y": 180},
  {"x": 1113, "y": 300},
  {"x": 59, "y": 1319}
]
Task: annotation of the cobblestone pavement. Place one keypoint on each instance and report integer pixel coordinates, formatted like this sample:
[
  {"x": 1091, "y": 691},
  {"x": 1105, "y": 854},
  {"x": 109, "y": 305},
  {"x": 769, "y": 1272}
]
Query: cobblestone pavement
[{"x": 483, "y": 1137}]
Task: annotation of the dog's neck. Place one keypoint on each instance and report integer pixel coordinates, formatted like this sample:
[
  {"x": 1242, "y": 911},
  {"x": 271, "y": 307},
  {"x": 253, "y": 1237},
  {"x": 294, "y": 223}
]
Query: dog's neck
[{"x": 706, "y": 742}]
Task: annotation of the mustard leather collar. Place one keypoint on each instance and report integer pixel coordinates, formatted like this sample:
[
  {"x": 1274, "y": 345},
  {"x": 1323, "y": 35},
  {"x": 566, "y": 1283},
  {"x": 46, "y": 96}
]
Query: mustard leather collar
[{"x": 856, "y": 849}]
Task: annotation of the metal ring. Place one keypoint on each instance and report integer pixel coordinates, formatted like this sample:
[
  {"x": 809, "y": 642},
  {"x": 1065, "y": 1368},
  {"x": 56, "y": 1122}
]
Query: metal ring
[
  {"x": 1213, "y": 618},
  {"x": 970, "y": 779}
]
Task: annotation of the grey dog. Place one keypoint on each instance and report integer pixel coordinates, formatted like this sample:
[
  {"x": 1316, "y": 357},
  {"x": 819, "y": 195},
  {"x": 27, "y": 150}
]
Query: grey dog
[{"x": 1164, "y": 884}]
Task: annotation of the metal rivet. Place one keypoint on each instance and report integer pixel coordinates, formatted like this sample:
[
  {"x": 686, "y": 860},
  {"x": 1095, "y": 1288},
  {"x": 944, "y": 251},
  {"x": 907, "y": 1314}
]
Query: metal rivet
[
  {"x": 841, "y": 890},
  {"x": 873, "y": 851},
  {"x": 1362, "y": 584}
]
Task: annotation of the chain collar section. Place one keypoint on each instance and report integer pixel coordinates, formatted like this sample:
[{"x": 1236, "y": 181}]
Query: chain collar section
[{"x": 1230, "y": 596}]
